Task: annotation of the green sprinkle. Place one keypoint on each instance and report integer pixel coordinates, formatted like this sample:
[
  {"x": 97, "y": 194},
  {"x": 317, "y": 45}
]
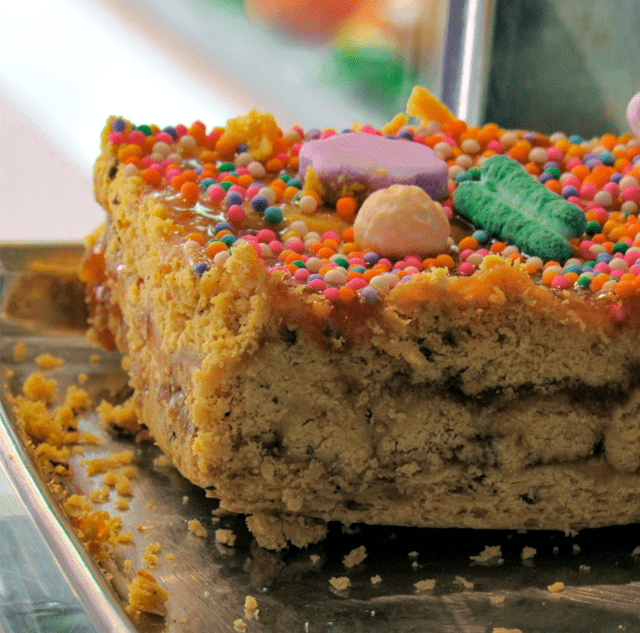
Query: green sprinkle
[
  {"x": 592, "y": 228},
  {"x": 284, "y": 177},
  {"x": 226, "y": 185},
  {"x": 475, "y": 173},
  {"x": 273, "y": 215},
  {"x": 145, "y": 129},
  {"x": 585, "y": 280},
  {"x": 620, "y": 247},
  {"x": 228, "y": 239},
  {"x": 512, "y": 206},
  {"x": 294, "y": 182},
  {"x": 227, "y": 167},
  {"x": 553, "y": 171},
  {"x": 341, "y": 261},
  {"x": 299, "y": 264}
]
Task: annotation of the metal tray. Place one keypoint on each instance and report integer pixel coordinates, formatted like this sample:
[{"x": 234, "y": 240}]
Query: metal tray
[{"x": 209, "y": 582}]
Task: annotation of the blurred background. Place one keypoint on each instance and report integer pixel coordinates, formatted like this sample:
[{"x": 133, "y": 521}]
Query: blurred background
[{"x": 550, "y": 65}]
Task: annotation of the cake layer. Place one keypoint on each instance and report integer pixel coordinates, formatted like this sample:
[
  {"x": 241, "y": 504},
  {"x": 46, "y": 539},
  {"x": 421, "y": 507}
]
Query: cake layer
[{"x": 487, "y": 397}]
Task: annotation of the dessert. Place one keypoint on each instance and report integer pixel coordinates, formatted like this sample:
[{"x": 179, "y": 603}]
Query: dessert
[{"x": 301, "y": 377}]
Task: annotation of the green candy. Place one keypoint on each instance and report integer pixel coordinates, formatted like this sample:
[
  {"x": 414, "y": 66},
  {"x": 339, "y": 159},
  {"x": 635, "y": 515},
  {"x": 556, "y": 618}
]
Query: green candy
[{"x": 512, "y": 206}]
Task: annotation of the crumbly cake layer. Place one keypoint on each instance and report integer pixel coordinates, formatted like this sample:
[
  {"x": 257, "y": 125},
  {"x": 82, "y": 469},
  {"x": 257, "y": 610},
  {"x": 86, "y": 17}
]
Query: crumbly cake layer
[{"x": 488, "y": 400}]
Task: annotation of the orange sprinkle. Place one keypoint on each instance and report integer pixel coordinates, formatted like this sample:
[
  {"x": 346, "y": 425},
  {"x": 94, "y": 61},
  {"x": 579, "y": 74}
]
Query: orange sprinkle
[
  {"x": 221, "y": 234},
  {"x": 598, "y": 281},
  {"x": 572, "y": 277},
  {"x": 292, "y": 257},
  {"x": 429, "y": 262},
  {"x": 134, "y": 160},
  {"x": 370, "y": 274},
  {"x": 600, "y": 175},
  {"x": 580, "y": 172},
  {"x": 325, "y": 252},
  {"x": 621, "y": 163},
  {"x": 549, "y": 264},
  {"x": 599, "y": 238},
  {"x": 346, "y": 208},
  {"x": 190, "y": 192},
  {"x": 531, "y": 269},
  {"x": 148, "y": 143},
  {"x": 274, "y": 165},
  {"x": 348, "y": 248},
  {"x": 609, "y": 141},
  {"x": 190, "y": 175},
  {"x": 129, "y": 150},
  {"x": 347, "y": 235},
  {"x": 196, "y": 237},
  {"x": 548, "y": 277},
  {"x": 245, "y": 180},
  {"x": 624, "y": 289},
  {"x": 618, "y": 233},
  {"x": 152, "y": 177},
  {"x": 520, "y": 151},
  {"x": 576, "y": 150},
  {"x": 468, "y": 242},
  {"x": 553, "y": 185},
  {"x": 213, "y": 248},
  {"x": 290, "y": 192},
  {"x": 207, "y": 156},
  {"x": 226, "y": 148},
  {"x": 444, "y": 261},
  {"x": 498, "y": 247},
  {"x": 346, "y": 294},
  {"x": 198, "y": 133},
  {"x": 533, "y": 169},
  {"x": 515, "y": 257},
  {"x": 609, "y": 246},
  {"x": 352, "y": 274},
  {"x": 329, "y": 243}
]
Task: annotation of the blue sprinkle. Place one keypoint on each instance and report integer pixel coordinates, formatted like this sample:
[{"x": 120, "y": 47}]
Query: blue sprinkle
[
  {"x": 408, "y": 134},
  {"x": 200, "y": 268},
  {"x": 118, "y": 125},
  {"x": 529, "y": 136},
  {"x": 370, "y": 294},
  {"x": 313, "y": 276},
  {"x": 206, "y": 183},
  {"x": 171, "y": 131},
  {"x": 312, "y": 134},
  {"x": 273, "y": 215},
  {"x": 259, "y": 203},
  {"x": 347, "y": 131},
  {"x": 294, "y": 182},
  {"x": 573, "y": 268},
  {"x": 371, "y": 258},
  {"x": 242, "y": 147},
  {"x": 576, "y": 139},
  {"x": 359, "y": 269},
  {"x": 222, "y": 226},
  {"x": 569, "y": 191},
  {"x": 603, "y": 257},
  {"x": 635, "y": 159},
  {"x": 463, "y": 176},
  {"x": 391, "y": 137},
  {"x": 550, "y": 164},
  {"x": 228, "y": 239},
  {"x": 481, "y": 236},
  {"x": 592, "y": 162},
  {"x": 233, "y": 197},
  {"x": 617, "y": 177},
  {"x": 607, "y": 158},
  {"x": 544, "y": 177}
]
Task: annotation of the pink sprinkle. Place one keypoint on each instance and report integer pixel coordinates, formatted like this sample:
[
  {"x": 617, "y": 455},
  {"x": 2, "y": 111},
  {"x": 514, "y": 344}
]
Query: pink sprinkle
[
  {"x": 166, "y": 162},
  {"x": 602, "y": 267},
  {"x": 368, "y": 129},
  {"x": 164, "y": 137},
  {"x": 626, "y": 169},
  {"x": 116, "y": 138},
  {"x": 465, "y": 269},
  {"x": 158, "y": 167},
  {"x": 181, "y": 130},
  {"x": 465, "y": 254},
  {"x": 575, "y": 200},
  {"x": 297, "y": 246},
  {"x": 618, "y": 312},
  {"x": 573, "y": 162},
  {"x": 399, "y": 265},
  {"x": 276, "y": 247},
  {"x": 266, "y": 235},
  {"x": 172, "y": 173},
  {"x": 418, "y": 138},
  {"x": 617, "y": 273},
  {"x": 295, "y": 149},
  {"x": 572, "y": 181},
  {"x": 385, "y": 262},
  {"x": 241, "y": 190},
  {"x": 136, "y": 137},
  {"x": 356, "y": 261},
  {"x": 560, "y": 281},
  {"x": 448, "y": 211},
  {"x": 555, "y": 154},
  {"x": 613, "y": 189},
  {"x": 602, "y": 214},
  {"x": 331, "y": 235},
  {"x": 331, "y": 294},
  {"x": 317, "y": 285},
  {"x": 585, "y": 245},
  {"x": 631, "y": 257},
  {"x": 483, "y": 251},
  {"x": 301, "y": 275},
  {"x": 252, "y": 192},
  {"x": 256, "y": 248},
  {"x": 146, "y": 161},
  {"x": 495, "y": 145},
  {"x": 216, "y": 194},
  {"x": 327, "y": 134},
  {"x": 635, "y": 269},
  {"x": 630, "y": 193},
  {"x": 236, "y": 213},
  {"x": 357, "y": 283},
  {"x": 414, "y": 260},
  {"x": 242, "y": 171},
  {"x": 588, "y": 191}
]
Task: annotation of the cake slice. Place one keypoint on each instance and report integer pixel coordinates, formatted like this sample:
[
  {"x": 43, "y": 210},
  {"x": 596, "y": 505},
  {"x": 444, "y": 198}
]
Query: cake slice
[{"x": 466, "y": 355}]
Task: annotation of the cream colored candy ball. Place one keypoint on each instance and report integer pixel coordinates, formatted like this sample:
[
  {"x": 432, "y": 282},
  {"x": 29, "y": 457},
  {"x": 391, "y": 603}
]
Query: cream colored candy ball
[{"x": 401, "y": 220}]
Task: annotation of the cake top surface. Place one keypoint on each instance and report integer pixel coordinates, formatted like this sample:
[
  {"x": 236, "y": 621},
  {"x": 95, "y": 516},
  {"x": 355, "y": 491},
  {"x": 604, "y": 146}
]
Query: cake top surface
[{"x": 432, "y": 197}]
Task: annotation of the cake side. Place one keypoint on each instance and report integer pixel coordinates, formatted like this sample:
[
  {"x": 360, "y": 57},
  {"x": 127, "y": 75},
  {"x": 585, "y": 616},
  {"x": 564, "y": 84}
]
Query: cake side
[{"x": 489, "y": 401}]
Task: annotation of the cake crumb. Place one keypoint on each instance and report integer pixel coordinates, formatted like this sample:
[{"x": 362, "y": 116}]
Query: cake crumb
[
  {"x": 425, "y": 585},
  {"x": 49, "y": 361},
  {"x": 150, "y": 554},
  {"x": 226, "y": 537},
  {"x": 314, "y": 558},
  {"x": 528, "y": 552},
  {"x": 501, "y": 629},
  {"x": 206, "y": 594},
  {"x": 182, "y": 620},
  {"x": 467, "y": 585},
  {"x": 146, "y": 595},
  {"x": 250, "y": 603},
  {"x": 355, "y": 557},
  {"x": 19, "y": 351},
  {"x": 575, "y": 549},
  {"x": 162, "y": 461},
  {"x": 100, "y": 495},
  {"x": 126, "y": 566},
  {"x": 413, "y": 554},
  {"x": 94, "y": 359},
  {"x": 556, "y": 587},
  {"x": 37, "y": 387},
  {"x": 122, "y": 504},
  {"x": 170, "y": 557},
  {"x": 340, "y": 584},
  {"x": 239, "y": 625},
  {"x": 195, "y": 527},
  {"x": 490, "y": 555},
  {"x": 376, "y": 579},
  {"x": 100, "y": 465},
  {"x": 82, "y": 378},
  {"x": 584, "y": 568},
  {"x": 496, "y": 599},
  {"x": 636, "y": 551},
  {"x": 185, "y": 500}
]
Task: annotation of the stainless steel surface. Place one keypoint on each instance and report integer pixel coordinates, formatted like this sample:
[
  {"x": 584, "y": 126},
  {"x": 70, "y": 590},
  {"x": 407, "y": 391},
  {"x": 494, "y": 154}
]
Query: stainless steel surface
[
  {"x": 209, "y": 581},
  {"x": 467, "y": 54}
]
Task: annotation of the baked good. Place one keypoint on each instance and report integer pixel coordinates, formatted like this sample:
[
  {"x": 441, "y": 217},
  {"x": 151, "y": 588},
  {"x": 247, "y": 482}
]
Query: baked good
[{"x": 468, "y": 361}]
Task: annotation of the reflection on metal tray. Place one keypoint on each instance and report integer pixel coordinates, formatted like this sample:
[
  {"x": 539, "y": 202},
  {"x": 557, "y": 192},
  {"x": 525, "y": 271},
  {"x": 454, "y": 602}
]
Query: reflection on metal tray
[{"x": 209, "y": 582}]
